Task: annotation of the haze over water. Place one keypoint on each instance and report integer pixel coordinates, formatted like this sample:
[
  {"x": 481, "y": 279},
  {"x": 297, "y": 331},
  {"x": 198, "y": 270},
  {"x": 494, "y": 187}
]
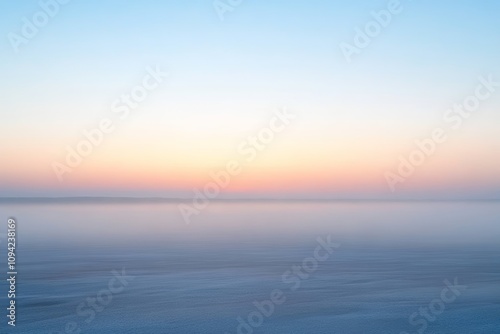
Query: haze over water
[{"x": 199, "y": 278}]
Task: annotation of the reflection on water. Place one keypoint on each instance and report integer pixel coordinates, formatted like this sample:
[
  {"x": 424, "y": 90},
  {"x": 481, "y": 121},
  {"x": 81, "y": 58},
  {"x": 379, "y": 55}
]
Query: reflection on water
[{"x": 199, "y": 278}]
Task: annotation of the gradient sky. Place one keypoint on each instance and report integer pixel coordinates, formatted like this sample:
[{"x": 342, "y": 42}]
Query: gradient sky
[{"x": 227, "y": 78}]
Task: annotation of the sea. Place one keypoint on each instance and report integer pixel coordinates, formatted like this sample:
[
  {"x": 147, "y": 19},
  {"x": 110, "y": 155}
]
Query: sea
[{"x": 104, "y": 266}]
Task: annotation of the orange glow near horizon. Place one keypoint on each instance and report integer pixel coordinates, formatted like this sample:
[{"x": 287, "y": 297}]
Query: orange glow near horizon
[{"x": 301, "y": 165}]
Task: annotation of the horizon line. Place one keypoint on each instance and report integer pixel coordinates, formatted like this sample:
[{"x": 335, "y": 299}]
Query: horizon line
[{"x": 257, "y": 199}]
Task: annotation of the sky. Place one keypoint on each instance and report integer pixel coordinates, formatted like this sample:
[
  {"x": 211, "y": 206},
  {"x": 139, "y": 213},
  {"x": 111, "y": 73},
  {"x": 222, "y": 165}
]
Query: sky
[{"x": 223, "y": 73}]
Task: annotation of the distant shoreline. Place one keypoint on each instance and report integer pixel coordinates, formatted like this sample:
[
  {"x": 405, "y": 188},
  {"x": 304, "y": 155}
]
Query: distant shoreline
[{"x": 109, "y": 199}]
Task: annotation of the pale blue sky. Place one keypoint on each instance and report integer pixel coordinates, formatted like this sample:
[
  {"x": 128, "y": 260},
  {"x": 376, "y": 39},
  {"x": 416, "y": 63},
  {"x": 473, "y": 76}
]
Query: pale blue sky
[{"x": 265, "y": 54}]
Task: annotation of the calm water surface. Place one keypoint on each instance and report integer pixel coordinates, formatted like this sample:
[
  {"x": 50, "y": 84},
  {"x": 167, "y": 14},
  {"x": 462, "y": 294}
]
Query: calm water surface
[{"x": 392, "y": 261}]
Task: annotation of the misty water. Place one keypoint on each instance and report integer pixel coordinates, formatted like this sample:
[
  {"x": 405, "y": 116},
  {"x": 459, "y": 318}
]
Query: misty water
[{"x": 386, "y": 273}]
